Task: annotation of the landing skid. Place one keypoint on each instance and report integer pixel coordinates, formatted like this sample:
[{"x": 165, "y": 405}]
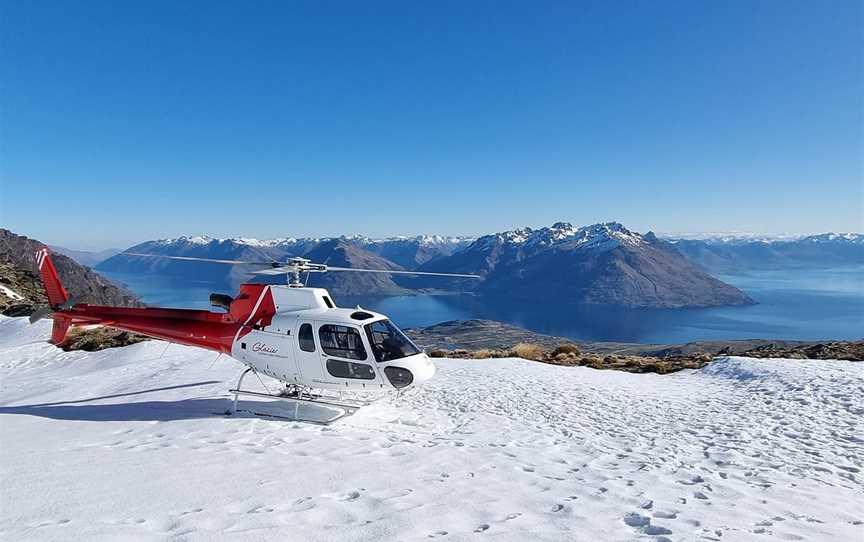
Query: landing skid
[{"x": 324, "y": 410}]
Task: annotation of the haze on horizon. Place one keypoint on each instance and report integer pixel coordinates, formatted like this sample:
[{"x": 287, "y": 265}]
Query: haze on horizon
[{"x": 122, "y": 122}]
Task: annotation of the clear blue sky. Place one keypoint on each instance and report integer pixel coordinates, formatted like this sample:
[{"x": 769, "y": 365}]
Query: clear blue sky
[{"x": 126, "y": 121}]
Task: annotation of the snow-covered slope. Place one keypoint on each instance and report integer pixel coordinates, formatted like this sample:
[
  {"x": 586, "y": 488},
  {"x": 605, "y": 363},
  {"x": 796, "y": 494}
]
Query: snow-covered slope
[{"x": 128, "y": 444}]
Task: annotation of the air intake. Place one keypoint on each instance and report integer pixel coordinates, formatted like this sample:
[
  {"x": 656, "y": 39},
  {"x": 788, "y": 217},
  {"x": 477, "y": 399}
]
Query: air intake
[{"x": 221, "y": 300}]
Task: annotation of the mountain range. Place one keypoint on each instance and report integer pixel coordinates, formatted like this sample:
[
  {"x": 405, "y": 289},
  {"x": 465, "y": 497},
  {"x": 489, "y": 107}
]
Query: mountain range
[
  {"x": 602, "y": 263},
  {"x": 396, "y": 253},
  {"x": 723, "y": 254}
]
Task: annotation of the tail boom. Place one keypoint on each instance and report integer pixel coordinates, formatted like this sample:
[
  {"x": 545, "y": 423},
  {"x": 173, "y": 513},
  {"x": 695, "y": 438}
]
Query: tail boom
[{"x": 214, "y": 331}]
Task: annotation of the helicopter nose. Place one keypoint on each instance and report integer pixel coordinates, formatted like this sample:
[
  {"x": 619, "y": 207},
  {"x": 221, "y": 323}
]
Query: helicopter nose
[
  {"x": 410, "y": 371},
  {"x": 425, "y": 369}
]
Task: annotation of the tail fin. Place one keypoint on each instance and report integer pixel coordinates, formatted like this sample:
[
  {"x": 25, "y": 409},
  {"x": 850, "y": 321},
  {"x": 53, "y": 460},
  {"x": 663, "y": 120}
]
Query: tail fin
[{"x": 57, "y": 295}]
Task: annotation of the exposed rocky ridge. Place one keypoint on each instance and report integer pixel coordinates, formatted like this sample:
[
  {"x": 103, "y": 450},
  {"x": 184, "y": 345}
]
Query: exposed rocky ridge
[
  {"x": 18, "y": 272},
  {"x": 24, "y": 292},
  {"x": 99, "y": 338},
  {"x": 568, "y": 354}
]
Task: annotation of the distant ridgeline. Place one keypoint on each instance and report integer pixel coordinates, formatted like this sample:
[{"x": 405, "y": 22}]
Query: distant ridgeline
[
  {"x": 602, "y": 263},
  {"x": 22, "y": 289},
  {"x": 598, "y": 264},
  {"x": 732, "y": 253}
]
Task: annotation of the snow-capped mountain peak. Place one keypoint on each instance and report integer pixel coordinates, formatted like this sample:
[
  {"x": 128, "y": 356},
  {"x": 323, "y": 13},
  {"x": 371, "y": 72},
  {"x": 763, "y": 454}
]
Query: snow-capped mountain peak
[
  {"x": 854, "y": 238},
  {"x": 605, "y": 235},
  {"x": 202, "y": 240}
]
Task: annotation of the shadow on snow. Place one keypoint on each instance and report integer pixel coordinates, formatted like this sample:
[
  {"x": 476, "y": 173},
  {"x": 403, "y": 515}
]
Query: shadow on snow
[{"x": 182, "y": 409}]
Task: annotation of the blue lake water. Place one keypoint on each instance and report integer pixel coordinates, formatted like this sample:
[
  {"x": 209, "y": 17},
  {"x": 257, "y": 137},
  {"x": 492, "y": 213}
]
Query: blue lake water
[{"x": 803, "y": 304}]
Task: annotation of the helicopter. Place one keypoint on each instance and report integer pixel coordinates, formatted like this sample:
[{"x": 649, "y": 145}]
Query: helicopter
[{"x": 290, "y": 332}]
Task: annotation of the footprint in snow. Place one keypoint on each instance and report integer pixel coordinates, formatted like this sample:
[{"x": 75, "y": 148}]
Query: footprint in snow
[
  {"x": 482, "y": 528},
  {"x": 636, "y": 520},
  {"x": 351, "y": 496},
  {"x": 656, "y": 530}
]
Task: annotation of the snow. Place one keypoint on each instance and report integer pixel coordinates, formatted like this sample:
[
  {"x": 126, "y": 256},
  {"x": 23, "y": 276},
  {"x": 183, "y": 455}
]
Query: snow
[
  {"x": 10, "y": 293},
  {"x": 128, "y": 444}
]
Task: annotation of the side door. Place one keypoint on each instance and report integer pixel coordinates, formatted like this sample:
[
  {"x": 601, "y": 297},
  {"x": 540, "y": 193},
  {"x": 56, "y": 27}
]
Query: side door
[
  {"x": 347, "y": 359},
  {"x": 308, "y": 353}
]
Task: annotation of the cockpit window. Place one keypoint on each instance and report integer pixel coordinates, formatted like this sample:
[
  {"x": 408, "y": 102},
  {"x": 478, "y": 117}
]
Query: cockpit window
[
  {"x": 341, "y": 341},
  {"x": 388, "y": 342}
]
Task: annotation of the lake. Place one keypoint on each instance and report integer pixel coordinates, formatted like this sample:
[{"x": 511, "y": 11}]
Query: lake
[{"x": 802, "y": 304}]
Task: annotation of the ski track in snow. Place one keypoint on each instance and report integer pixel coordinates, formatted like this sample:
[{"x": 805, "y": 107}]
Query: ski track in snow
[{"x": 129, "y": 444}]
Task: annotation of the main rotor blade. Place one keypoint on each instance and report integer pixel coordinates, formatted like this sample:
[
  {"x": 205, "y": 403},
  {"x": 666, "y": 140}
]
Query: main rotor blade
[
  {"x": 274, "y": 271},
  {"x": 193, "y": 259},
  {"x": 393, "y": 272},
  {"x": 290, "y": 269}
]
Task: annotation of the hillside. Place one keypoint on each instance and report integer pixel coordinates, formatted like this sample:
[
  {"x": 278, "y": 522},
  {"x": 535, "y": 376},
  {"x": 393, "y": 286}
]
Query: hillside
[
  {"x": 599, "y": 264},
  {"x": 19, "y": 274},
  {"x": 504, "y": 449}
]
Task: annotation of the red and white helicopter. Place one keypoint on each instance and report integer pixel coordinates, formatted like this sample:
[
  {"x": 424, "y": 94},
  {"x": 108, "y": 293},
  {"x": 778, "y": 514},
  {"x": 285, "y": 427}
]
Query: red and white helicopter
[{"x": 291, "y": 333}]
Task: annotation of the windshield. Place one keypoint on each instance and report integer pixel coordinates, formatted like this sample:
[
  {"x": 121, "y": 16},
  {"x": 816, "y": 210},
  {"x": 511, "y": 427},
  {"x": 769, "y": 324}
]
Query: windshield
[{"x": 388, "y": 342}]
